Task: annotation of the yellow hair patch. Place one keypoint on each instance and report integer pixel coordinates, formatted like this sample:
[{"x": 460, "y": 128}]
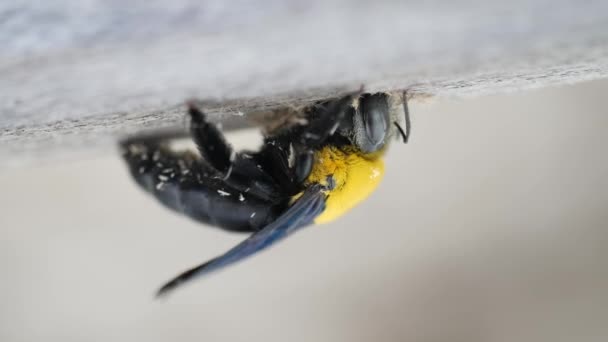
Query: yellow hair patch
[{"x": 355, "y": 176}]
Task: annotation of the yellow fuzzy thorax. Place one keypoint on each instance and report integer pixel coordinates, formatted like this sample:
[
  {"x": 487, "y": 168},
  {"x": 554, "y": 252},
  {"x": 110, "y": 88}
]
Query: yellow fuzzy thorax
[{"x": 356, "y": 176}]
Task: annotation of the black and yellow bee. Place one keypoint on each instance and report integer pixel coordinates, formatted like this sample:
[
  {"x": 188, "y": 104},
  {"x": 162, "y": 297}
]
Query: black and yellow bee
[{"x": 312, "y": 172}]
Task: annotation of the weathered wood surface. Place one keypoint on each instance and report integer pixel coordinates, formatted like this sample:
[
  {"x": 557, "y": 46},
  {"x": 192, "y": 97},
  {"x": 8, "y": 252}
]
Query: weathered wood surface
[{"x": 76, "y": 75}]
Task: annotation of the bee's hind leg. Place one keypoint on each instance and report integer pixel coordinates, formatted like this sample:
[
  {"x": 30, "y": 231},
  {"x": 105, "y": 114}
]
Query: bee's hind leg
[
  {"x": 324, "y": 121},
  {"x": 210, "y": 141}
]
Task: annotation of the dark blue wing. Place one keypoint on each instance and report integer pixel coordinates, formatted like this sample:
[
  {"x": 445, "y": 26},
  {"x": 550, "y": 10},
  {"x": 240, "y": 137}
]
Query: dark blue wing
[{"x": 300, "y": 214}]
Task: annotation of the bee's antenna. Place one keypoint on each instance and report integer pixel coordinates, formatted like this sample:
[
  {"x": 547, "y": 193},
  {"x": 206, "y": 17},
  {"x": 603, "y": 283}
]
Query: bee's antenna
[
  {"x": 406, "y": 115},
  {"x": 402, "y": 132}
]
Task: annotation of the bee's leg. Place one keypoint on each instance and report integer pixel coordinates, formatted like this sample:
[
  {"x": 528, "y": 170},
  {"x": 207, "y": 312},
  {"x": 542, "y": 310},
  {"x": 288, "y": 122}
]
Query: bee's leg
[
  {"x": 287, "y": 171},
  {"x": 210, "y": 141},
  {"x": 324, "y": 121},
  {"x": 288, "y": 157},
  {"x": 298, "y": 143},
  {"x": 242, "y": 171}
]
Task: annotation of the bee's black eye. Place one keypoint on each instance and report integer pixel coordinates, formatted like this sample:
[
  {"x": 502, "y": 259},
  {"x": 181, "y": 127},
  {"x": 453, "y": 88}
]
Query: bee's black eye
[{"x": 374, "y": 120}]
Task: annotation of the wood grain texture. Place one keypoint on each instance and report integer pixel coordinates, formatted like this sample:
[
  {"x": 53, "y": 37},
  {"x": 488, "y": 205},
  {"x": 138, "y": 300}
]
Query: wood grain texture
[{"x": 75, "y": 76}]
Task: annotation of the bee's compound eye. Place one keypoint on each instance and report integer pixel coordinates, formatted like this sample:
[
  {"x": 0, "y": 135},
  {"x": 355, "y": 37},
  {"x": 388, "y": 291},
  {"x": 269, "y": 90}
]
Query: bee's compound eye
[
  {"x": 375, "y": 127},
  {"x": 374, "y": 110}
]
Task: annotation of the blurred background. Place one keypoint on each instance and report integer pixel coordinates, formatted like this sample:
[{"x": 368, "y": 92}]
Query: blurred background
[{"x": 489, "y": 226}]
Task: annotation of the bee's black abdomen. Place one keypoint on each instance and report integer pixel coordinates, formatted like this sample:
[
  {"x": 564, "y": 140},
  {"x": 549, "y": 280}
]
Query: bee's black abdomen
[{"x": 182, "y": 182}]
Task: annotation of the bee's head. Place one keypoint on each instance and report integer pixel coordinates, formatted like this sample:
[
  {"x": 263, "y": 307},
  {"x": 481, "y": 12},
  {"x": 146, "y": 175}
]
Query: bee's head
[{"x": 375, "y": 121}]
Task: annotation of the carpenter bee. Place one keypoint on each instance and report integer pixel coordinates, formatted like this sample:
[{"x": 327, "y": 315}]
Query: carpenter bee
[{"x": 311, "y": 172}]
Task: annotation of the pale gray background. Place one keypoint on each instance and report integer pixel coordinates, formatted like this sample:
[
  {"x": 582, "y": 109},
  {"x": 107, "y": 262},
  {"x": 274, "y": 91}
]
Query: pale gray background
[{"x": 489, "y": 226}]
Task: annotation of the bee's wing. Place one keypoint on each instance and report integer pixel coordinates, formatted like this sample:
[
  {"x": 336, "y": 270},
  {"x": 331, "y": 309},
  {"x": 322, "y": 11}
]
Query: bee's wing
[{"x": 300, "y": 214}]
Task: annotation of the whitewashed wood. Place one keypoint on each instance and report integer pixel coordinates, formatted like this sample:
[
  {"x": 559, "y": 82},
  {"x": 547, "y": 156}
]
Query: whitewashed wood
[{"x": 75, "y": 75}]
